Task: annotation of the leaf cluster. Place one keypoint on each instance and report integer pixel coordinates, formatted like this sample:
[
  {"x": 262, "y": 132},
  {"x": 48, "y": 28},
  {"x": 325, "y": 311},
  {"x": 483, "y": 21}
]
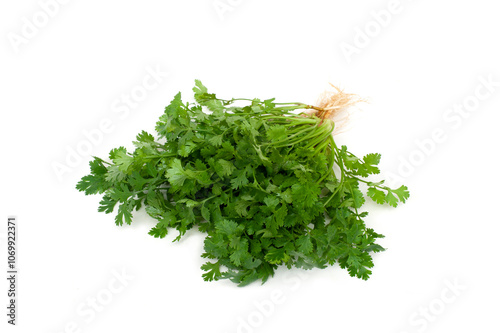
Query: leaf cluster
[{"x": 258, "y": 179}]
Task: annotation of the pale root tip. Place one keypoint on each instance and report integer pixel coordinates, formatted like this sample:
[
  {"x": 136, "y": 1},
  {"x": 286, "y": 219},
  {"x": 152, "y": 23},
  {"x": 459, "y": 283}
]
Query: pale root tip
[{"x": 331, "y": 103}]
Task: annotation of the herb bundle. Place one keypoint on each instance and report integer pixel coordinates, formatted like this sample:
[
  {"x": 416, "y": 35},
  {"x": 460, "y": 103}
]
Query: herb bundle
[{"x": 267, "y": 185}]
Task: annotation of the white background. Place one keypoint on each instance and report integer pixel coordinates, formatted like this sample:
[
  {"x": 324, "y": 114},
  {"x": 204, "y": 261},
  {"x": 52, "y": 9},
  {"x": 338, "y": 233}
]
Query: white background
[{"x": 70, "y": 73}]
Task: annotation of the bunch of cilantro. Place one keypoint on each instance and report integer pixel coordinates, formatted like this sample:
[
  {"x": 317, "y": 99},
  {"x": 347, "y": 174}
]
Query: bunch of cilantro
[{"x": 268, "y": 186}]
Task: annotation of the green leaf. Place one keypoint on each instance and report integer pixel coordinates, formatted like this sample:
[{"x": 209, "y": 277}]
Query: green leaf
[
  {"x": 241, "y": 207},
  {"x": 280, "y": 215},
  {"x": 239, "y": 181},
  {"x": 124, "y": 214},
  {"x": 358, "y": 198},
  {"x": 271, "y": 201},
  {"x": 228, "y": 227},
  {"x": 189, "y": 203},
  {"x": 224, "y": 168},
  {"x": 276, "y": 256},
  {"x": 185, "y": 149},
  {"x": 107, "y": 204},
  {"x": 287, "y": 196},
  {"x": 202, "y": 96},
  {"x": 137, "y": 181},
  {"x": 166, "y": 219},
  {"x": 145, "y": 137},
  {"x": 175, "y": 174},
  {"x": 402, "y": 193},
  {"x": 158, "y": 231},
  {"x": 304, "y": 244},
  {"x": 121, "y": 159},
  {"x": 212, "y": 271},
  {"x": 276, "y": 133},
  {"x": 216, "y": 140},
  {"x": 391, "y": 199},
  {"x": 377, "y": 195},
  {"x": 239, "y": 255},
  {"x": 205, "y": 213},
  {"x": 305, "y": 195},
  {"x": 91, "y": 184},
  {"x": 115, "y": 175},
  {"x": 372, "y": 159}
]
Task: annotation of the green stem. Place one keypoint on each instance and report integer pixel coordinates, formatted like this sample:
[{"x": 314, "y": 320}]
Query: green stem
[
  {"x": 307, "y": 129},
  {"x": 331, "y": 159},
  {"x": 319, "y": 139},
  {"x": 322, "y": 131},
  {"x": 379, "y": 184},
  {"x": 292, "y": 117},
  {"x": 161, "y": 155},
  {"x": 297, "y": 103},
  {"x": 320, "y": 149},
  {"x": 342, "y": 175}
]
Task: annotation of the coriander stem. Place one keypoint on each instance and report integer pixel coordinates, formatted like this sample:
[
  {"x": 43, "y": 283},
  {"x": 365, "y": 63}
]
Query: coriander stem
[
  {"x": 161, "y": 155},
  {"x": 310, "y": 128}
]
